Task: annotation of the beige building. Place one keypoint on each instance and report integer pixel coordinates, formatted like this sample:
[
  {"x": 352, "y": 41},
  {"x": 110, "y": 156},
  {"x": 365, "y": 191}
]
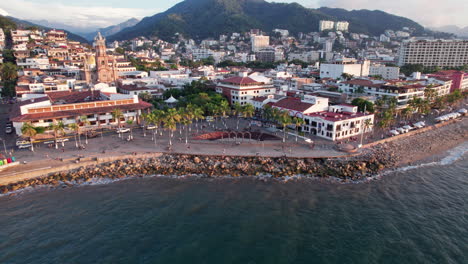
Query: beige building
[
  {"x": 260, "y": 42},
  {"x": 441, "y": 53}
]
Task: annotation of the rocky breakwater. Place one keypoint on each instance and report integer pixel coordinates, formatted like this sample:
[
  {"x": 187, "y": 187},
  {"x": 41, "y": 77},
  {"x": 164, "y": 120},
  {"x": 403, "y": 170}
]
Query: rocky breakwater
[{"x": 346, "y": 169}]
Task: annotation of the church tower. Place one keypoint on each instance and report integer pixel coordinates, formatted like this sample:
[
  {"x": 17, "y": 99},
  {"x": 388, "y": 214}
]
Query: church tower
[{"x": 105, "y": 64}]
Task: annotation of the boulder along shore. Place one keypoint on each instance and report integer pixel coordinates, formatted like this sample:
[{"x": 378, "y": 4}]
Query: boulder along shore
[{"x": 373, "y": 160}]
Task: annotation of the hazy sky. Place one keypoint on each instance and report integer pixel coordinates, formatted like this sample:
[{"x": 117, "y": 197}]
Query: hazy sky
[{"x": 102, "y": 13}]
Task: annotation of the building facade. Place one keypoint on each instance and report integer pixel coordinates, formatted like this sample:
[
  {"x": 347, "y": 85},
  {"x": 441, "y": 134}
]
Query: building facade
[
  {"x": 260, "y": 42},
  {"x": 431, "y": 53},
  {"x": 243, "y": 89}
]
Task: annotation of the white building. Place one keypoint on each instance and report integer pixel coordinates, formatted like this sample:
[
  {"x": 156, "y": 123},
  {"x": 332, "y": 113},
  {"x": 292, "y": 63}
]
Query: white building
[
  {"x": 260, "y": 42},
  {"x": 339, "y": 122},
  {"x": 441, "y": 53},
  {"x": 242, "y": 89},
  {"x": 349, "y": 66},
  {"x": 326, "y": 25},
  {"x": 341, "y": 26},
  {"x": 388, "y": 73},
  {"x": 35, "y": 63}
]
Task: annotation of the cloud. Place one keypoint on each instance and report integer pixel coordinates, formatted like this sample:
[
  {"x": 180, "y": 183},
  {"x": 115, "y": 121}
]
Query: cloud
[
  {"x": 428, "y": 13},
  {"x": 3, "y": 12},
  {"x": 75, "y": 16}
]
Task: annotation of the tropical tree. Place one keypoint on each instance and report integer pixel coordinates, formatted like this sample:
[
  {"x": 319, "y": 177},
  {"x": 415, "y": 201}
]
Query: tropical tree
[
  {"x": 197, "y": 115},
  {"x": 30, "y": 131},
  {"x": 171, "y": 118},
  {"x": 386, "y": 119},
  {"x": 430, "y": 94},
  {"x": 130, "y": 125},
  {"x": 75, "y": 128},
  {"x": 298, "y": 122},
  {"x": 248, "y": 111},
  {"x": 117, "y": 114},
  {"x": 407, "y": 112},
  {"x": 145, "y": 119},
  {"x": 58, "y": 128},
  {"x": 224, "y": 110},
  {"x": 85, "y": 122},
  {"x": 186, "y": 121},
  {"x": 285, "y": 120},
  {"x": 267, "y": 112},
  {"x": 237, "y": 111}
]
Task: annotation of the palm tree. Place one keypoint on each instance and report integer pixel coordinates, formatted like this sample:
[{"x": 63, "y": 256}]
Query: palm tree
[
  {"x": 85, "y": 122},
  {"x": 30, "y": 131},
  {"x": 407, "y": 112},
  {"x": 76, "y": 129},
  {"x": 224, "y": 109},
  {"x": 267, "y": 112},
  {"x": 386, "y": 120},
  {"x": 248, "y": 110},
  {"x": 170, "y": 122},
  {"x": 117, "y": 115},
  {"x": 198, "y": 114},
  {"x": 284, "y": 119},
  {"x": 186, "y": 120},
  {"x": 238, "y": 112},
  {"x": 298, "y": 122},
  {"x": 430, "y": 94},
  {"x": 130, "y": 125},
  {"x": 145, "y": 119},
  {"x": 58, "y": 128}
]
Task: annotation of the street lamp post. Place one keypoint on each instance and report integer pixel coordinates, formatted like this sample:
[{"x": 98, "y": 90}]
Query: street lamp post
[{"x": 4, "y": 146}]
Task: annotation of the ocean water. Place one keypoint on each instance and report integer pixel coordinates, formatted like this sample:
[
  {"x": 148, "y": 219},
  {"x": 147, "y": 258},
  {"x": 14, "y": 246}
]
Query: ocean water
[{"x": 413, "y": 215}]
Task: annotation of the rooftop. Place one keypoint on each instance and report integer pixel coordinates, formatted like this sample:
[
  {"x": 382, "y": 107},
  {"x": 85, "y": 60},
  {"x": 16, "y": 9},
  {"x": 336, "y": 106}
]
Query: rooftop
[{"x": 293, "y": 103}]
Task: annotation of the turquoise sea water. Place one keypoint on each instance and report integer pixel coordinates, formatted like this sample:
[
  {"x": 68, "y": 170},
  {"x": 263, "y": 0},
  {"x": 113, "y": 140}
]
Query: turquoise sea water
[{"x": 413, "y": 216}]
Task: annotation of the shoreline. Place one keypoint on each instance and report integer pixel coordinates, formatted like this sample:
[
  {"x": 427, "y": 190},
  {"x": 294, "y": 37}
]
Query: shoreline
[{"x": 376, "y": 158}]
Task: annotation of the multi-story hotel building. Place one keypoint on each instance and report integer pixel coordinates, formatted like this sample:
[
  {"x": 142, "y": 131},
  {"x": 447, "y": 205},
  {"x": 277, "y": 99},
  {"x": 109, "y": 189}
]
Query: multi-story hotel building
[
  {"x": 260, "y": 42},
  {"x": 441, "y": 53}
]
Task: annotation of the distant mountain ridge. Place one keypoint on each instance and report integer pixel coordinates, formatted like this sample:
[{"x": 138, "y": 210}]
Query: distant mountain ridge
[
  {"x": 23, "y": 23},
  {"x": 200, "y": 19},
  {"x": 111, "y": 29},
  {"x": 459, "y": 31}
]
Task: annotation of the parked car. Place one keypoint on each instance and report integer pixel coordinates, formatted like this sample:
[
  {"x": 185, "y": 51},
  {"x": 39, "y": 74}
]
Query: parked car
[
  {"x": 123, "y": 130},
  {"x": 22, "y": 146},
  {"x": 394, "y": 132},
  {"x": 151, "y": 127}
]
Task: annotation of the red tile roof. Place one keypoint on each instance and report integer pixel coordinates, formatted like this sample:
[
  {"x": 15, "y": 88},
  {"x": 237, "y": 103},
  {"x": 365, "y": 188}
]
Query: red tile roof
[
  {"x": 260, "y": 99},
  {"x": 79, "y": 112},
  {"x": 331, "y": 116},
  {"x": 240, "y": 80},
  {"x": 292, "y": 103},
  {"x": 70, "y": 97}
]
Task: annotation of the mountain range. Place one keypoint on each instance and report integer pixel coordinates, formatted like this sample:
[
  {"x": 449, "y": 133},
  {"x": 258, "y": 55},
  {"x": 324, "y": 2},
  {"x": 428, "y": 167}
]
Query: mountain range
[
  {"x": 199, "y": 19},
  {"x": 111, "y": 29},
  {"x": 459, "y": 31}
]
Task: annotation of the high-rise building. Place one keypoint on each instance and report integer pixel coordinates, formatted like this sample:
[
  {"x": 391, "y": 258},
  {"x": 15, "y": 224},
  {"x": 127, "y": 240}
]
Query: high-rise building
[
  {"x": 260, "y": 42},
  {"x": 430, "y": 53},
  {"x": 341, "y": 26},
  {"x": 326, "y": 25}
]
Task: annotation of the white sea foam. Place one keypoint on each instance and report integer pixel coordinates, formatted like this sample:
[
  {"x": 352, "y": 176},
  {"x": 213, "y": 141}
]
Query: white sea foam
[{"x": 453, "y": 156}]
